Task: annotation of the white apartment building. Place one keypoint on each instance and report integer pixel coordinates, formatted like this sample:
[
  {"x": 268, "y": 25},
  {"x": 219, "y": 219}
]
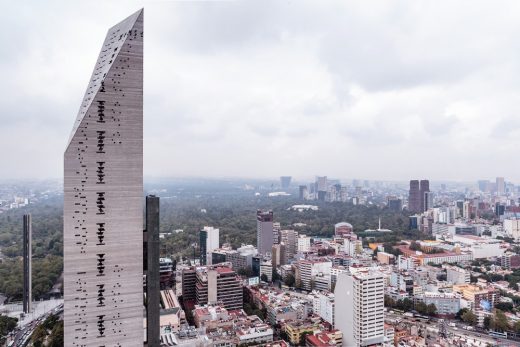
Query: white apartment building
[
  {"x": 512, "y": 228},
  {"x": 352, "y": 247},
  {"x": 310, "y": 270},
  {"x": 456, "y": 275},
  {"x": 266, "y": 268},
  {"x": 323, "y": 305},
  {"x": 304, "y": 243},
  {"x": 359, "y": 307},
  {"x": 209, "y": 239}
]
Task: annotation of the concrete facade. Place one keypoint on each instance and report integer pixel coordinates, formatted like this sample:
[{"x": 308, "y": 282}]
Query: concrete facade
[
  {"x": 103, "y": 199},
  {"x": 27, "y": 263},
  {"x": 153, "y": 285}
]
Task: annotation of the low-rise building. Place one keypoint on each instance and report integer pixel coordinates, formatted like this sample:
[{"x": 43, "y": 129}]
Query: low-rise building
[{"x": 325, "y": 339}]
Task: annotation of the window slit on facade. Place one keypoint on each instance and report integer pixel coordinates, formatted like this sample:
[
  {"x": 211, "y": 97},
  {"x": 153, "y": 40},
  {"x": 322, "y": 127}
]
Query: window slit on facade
[
  {"x": 101, "y": 264},
  {"x": 100, "y": 202},
  {"x": 101, "y": 172},
  {"x": 101, "y": 141}
]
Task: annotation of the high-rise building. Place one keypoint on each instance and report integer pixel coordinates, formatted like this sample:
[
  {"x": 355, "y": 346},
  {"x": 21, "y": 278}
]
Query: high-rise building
[
  {"x": 27, "y": 263},
  {"x": 428, "y": 200},
  {"x": 414, "y": 197},
  {"x": 103, "y": 199},
  {"x": 483, "y": 185},
  {"x": 501, "y": 187},
  {"x": 289, "y": 238},
  {"x": 264, "y": 232},
  {"x": 359, "y": 300},
  {"x": 151, "y": 270},
  {"x": 417, "y": 195},
  {"x": 219, "y": 284},
  {"x": 285, "y": 181},
  {"x": 424, "y": 187},
  {"x": 322, "y": 184},
  {"x": 303, "y": 192},
  {"x": 278, "y": 256},
  {"x": 209, "y": 241}
]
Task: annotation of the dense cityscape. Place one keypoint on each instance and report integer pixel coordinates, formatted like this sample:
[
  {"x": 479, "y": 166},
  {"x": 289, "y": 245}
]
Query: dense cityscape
[{"x": 105, "y": 256}]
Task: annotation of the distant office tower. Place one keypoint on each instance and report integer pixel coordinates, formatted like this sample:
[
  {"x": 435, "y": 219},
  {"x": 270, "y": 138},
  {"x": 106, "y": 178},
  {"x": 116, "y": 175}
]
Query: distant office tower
[
  {"x": 103, "y": 199},
  {"x": 343, "y": 229},
  {"x": 209, "y": 241},
  {"x": 285, "y": 181},
  {"x": 151, "y": 268},
  {"x": 395, "y": 204},
  {"x": 321, "y": 183},
  {"x": 304, "y": 193},
  {"x": 414, "y": 197},
  {"x": 416, "y": 200},
  {"x": 27, "y": 263},
  {"x": 424, "y": 188},
  {"x": 360, "y": 307},
  {"x": 483, "y": 185},
  {"x": 264, "y": 232},
  {"x": 500, "y": 209},
  {"x": 501, "y": 187},
  {"x": 428, "y": 200}
]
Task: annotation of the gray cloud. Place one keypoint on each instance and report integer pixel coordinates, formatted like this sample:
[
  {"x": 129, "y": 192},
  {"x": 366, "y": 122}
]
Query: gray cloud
[{"x": 387, "y": 90}]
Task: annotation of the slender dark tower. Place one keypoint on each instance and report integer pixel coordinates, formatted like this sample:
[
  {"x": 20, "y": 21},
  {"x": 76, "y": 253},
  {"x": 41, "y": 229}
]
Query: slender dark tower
[
  {"x": 424, "y": 188},
  {"x": 151, "y": 267},
  {"x": 27, "y": 263}
]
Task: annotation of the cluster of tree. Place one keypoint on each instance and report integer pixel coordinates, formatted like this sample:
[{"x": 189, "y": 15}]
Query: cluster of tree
[
  {"x": 497, "y": 322},
  {"x": 289, "y": 280},
  {"x": 46, "y": 272},
  {"x": 467, "y": 316},
  {"x": 422, "y": 308},
  {"x": 408, "y": 305},
  {"x": 252, "y": 310},
  {"x": 47, "y": 237},
  {"x": 234, "y": 213},
  {"x": 7, "y": 324},
  {"x": 49, "y": 333},
  {"x": 47, "y": 229}
]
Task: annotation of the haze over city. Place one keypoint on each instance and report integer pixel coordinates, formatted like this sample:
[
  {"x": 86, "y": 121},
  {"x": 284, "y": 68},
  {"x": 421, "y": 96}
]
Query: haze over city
[{"x": 255, "y": 89}]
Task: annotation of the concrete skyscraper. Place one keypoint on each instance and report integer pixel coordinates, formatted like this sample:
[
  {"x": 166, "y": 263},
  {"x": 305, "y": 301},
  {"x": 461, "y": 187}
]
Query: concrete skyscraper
[
  {"x": 264, "y": 232},
  {"x": 103, "y": 199},
  {"x": 27, "y": 263}
]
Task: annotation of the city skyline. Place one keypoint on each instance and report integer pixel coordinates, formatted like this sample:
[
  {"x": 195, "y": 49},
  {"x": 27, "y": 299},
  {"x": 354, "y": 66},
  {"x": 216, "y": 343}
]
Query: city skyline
[{"x": 438, "y": 99}]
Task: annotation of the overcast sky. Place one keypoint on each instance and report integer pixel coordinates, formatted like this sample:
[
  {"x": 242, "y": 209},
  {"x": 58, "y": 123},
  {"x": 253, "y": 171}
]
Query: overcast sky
[{"x": 387, "y": 90}]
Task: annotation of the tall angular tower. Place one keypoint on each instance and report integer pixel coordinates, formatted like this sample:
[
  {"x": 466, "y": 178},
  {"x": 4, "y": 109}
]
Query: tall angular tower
[{"x": 103, "y": 188}]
